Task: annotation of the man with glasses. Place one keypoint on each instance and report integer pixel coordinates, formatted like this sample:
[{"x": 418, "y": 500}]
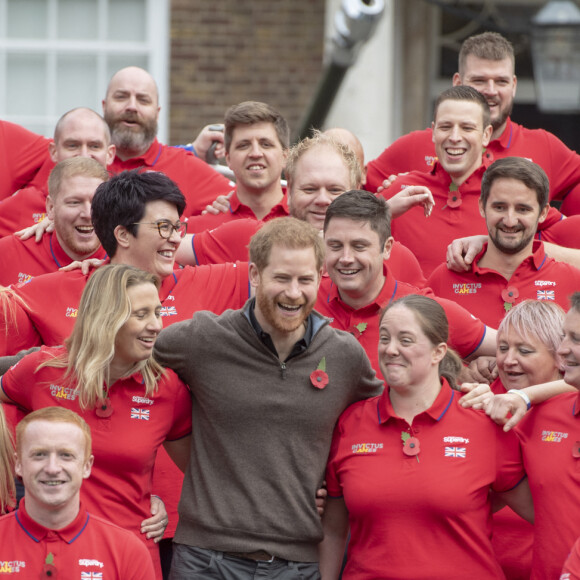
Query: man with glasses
[{"x": 72, "y": 184}]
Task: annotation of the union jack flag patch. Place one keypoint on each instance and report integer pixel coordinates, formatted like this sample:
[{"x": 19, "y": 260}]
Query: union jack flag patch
[
  {"x": 140, "y": 414},
  {"x": 168, "y": 311},
  {"x": 454, "y": 451},
  {"x": 91, "y": 575},
  {"x": 546, "y": 295}
]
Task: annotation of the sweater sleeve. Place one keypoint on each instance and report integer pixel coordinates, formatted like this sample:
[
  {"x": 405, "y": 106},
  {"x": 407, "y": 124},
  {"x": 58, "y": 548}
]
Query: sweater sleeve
[{"x": 174, "y": 348}]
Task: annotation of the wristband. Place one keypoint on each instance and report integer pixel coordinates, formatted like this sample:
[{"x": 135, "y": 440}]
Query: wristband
[{"x": 523, "y": 396}]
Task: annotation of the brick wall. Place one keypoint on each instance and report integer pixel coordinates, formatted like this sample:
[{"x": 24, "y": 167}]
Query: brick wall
[{"x": 227, "y": 51}]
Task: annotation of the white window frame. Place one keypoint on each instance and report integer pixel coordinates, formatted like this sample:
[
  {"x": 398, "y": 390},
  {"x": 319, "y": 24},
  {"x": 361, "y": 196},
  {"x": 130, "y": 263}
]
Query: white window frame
[{"x": 154, "y": 48}]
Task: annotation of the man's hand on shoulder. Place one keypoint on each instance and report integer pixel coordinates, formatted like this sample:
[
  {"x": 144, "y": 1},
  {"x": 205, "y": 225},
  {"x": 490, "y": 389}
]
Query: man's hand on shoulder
[{"x": 37, "y": 230}]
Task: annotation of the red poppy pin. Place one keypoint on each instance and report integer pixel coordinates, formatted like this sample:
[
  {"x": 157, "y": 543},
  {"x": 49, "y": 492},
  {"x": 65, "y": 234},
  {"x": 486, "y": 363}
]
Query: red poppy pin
[
  {"x": 454, "y": 197},
  {"x": 576, "y": 449},
  {"x": 104, "y": 408},
  {"x": 509, "y": 295},
  {"x": 49, "y": 569},
  {"x": 411, "y": 445},
  {"x": 319, "y": 378},
  {"x": 358, "y": 329}
]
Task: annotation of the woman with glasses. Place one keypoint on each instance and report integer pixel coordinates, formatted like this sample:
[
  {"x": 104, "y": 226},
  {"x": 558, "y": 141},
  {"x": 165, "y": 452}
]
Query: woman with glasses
[{"x": 106, "y": 372}]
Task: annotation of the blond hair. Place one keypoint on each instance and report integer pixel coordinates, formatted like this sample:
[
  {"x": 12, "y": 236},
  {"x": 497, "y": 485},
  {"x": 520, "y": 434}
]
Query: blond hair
[
  {"x": 7, "y": 488},
  {"x": 85, "y": 166},
  {"x": 90, "y": 349},
  {"x": 319, "y": 139}
]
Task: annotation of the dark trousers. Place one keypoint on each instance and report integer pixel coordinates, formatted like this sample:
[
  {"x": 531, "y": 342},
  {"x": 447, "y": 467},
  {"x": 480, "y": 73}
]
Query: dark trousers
[{"x": 191, "y": 563}]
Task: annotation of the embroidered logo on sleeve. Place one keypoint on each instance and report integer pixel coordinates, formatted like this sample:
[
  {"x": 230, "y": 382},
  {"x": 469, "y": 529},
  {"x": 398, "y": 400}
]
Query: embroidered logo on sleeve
[{"x": 142, "y": 414}]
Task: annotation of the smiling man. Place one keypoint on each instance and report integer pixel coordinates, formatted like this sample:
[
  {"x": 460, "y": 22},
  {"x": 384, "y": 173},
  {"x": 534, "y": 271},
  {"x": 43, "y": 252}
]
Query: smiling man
[
  {"x": 256, "y": 144},
  {"x": 71, "y": 185},
  {"x": 461, "y": 131},
  {"x": 51, "y": 533},
  {"x": 512, "y": 266},
  {"x": 360, "y": 282},
  {"x": 268, "y": 383},
  {"x": 79, "y": 132},
  {"x": 487, "y": 64}
]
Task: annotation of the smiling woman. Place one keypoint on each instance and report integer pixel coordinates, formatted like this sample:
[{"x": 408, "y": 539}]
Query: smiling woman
[
  {"x": 106, "y": 373},
  {"x": 436, "y": 463}
]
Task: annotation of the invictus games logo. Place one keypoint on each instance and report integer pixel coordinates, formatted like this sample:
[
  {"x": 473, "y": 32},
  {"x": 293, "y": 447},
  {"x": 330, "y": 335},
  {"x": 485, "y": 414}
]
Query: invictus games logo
[
  {"x": 553, "y": 436},
  {"x": 59, "y": 392},
  {"x": 366, "y": 448},
  {"x": 11, "y": 566},
  {"x": 466, "y": 288}
]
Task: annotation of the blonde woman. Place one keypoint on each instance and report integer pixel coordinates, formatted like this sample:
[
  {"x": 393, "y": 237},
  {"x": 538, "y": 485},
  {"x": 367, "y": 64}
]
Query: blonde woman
[{"x": 107, "y": 374}]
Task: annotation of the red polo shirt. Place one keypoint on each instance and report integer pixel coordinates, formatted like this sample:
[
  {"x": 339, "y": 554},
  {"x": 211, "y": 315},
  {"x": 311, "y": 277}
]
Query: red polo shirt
[
  {"x": 425, "y": 516},
  {"x": 416, "y": 152},
  {"x": 428, "y": 237},
  {"x": 23, "y": 260},
  {"x": 89, "y": 547},
  {"x": 549, "y": 436},
  {"x": 484, "y": 291},
  {"x": 465, "y": 332},
  {"x": 51, "y": 301},
  {"x": 21, "y": 155},
  {"x": 120, "y": 485},
  {"x": 196, "y": 179},
  {"x": 237, "y": 211},
  {"x": 229, "y": 243}
]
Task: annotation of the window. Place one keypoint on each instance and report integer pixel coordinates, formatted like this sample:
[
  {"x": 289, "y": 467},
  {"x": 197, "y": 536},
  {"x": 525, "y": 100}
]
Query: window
[{"x": 59, "y": 54}]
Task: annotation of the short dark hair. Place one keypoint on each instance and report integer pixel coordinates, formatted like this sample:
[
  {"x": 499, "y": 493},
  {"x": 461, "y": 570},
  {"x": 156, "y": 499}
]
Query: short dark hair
[
  {"x": 464, "y": 93},
  {"x": 521, "y": 169},
  {"x": 362, "y": 206},
  {"x": 121, "y": 201},
  {"x": 486, "y": 46},
  {"x": 251, "y": 112}
]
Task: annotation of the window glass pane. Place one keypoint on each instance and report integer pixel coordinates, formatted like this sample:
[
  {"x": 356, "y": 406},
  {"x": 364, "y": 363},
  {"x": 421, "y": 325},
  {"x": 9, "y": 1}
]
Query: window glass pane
[
  {"x": 25, "y": 84},
  {"x": 114, "y": 63},
  {"x": 76, "y": 82},
  {"x": 127, "y": 20},
  {"x": 27, "y": 19},
  {"x": 77, "y": 19}
]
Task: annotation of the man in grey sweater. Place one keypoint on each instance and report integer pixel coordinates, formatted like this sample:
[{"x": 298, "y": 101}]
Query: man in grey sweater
[{"x": 269, "y": 382}]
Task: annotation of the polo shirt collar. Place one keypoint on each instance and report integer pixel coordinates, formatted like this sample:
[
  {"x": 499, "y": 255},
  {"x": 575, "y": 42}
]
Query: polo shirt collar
[
  {"x": 505, "y": 139},
  {"x": 537, "y": 258},
  {"x": 436, "y": 411},
  {"x": 387, "y": 294},
  {"x": 235, "y": 203},
  {"x": 576, "y": 407},
  {"x": 37, "y": 532},
  {"x": 148, "y": 159}
]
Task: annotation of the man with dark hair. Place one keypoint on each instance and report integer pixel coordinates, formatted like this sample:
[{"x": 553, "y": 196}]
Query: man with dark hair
[
  {"x": 268, "y": 384},
  {"x": 461, "y": 131},
  {"x": 256, "y": 143},
  {"x": 51, "y": 533},
  {"x": 512, "y": 266},
  {"x": 359, "y": 284},
  {"x": 487, "y": 63},
  {"x": 71, "y": 185}
]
